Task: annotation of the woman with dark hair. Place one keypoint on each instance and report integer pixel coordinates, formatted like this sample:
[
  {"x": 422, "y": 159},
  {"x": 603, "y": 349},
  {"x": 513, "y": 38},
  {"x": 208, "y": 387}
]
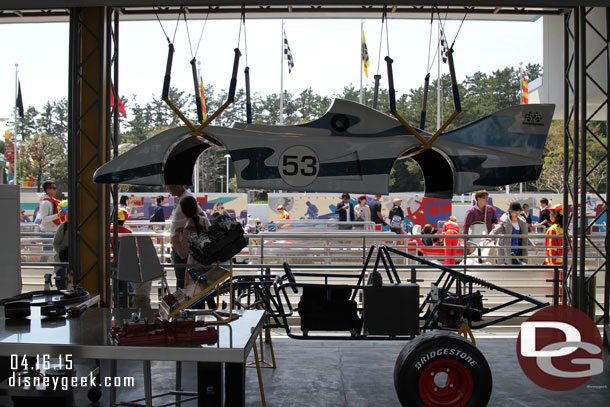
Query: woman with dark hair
[
  {"x": 512, "y": 248},
  {"x": 554, "y": 241},
  {"x": 396, "y": 217},
  {"x": 124, "y": 202},
  {"x": 196, "y": 221}
]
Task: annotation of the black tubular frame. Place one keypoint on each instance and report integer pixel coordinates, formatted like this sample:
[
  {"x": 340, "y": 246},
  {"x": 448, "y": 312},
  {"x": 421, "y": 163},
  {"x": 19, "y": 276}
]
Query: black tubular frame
[{"x": 272, "y": 291}]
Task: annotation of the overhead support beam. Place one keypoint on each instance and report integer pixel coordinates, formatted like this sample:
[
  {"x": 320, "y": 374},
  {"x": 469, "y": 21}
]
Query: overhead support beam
[{"x": 133, "y": 10}]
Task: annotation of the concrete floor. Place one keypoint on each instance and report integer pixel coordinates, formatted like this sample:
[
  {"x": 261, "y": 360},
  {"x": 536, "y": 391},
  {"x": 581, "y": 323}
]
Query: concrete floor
[
  {"x": 357, "y": 373},
  {"x": 360, "y": 373}
]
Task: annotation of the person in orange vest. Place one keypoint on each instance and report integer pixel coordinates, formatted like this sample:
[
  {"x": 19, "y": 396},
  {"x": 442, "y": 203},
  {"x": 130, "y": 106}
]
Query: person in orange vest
[
  {"x": 283, "y": 212},
  {"x": 450, "y": 228},
  {"x": 49, "y": 213},
  {"x": 554, "y": 255}
]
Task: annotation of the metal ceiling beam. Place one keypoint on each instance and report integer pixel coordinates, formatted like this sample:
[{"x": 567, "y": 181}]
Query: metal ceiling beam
[
  {"x": 53, "y": 4},
  {"x": 50, "y": 11}
]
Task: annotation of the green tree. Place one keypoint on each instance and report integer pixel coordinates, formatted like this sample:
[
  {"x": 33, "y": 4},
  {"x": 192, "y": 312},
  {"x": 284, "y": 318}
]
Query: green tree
[
  {"x": 41, "y": 153},
  {"x": 405, "y": 176}
]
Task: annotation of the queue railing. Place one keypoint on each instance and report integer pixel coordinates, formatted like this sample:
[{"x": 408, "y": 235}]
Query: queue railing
[{"x": 347, "y": 250}]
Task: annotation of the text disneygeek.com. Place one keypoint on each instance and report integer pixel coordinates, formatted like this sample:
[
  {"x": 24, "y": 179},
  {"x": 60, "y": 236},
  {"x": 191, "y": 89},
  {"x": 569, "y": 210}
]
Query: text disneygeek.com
[{"x": 65, "y": 382}]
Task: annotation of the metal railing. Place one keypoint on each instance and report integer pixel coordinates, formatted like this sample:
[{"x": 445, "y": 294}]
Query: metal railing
[
  {"x": 345, "y": 251},
  {"x": 322, "y": 225},
  {"x": 330, "y": 247}
]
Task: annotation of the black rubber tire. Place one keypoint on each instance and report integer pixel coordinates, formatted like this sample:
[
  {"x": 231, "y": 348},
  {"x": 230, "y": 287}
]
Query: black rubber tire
[
  {"x": 290, "y": 276},
  {"x": 94, "y": 394},
  {"x": 412, "y": 362}
]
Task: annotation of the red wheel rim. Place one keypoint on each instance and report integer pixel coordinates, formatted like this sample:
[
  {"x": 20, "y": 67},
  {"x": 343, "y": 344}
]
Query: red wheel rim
[{"x": 446, "y": 382}]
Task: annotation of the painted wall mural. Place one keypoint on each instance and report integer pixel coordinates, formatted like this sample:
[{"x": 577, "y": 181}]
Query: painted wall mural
[
  {"x": 142, "y": 205},
  {"x": 419, "y": 210}
]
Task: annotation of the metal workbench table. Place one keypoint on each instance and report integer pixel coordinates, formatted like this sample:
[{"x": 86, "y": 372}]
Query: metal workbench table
[{"x": 87, "y": 338}]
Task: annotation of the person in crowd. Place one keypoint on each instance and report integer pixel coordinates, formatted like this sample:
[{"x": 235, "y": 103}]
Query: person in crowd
[
  {"x": 196, "y": 222},
  {"x": 178, "y": 223},
  {"x": 430, "y": 230},
  {"x": 528, "y": 217},
  {"x": 284, "y": 215},
  {"x": 61, "y": 244},
  {"x": 450, "y": 228},
  {"x": 345, "y": 210},
  {"x": 60, "y": 241},
  {"x": 49, "y": 212},
  {"x": 481, "y": 217},
  {"x": 141, "y": 291},
  {"x": 158, "y": 215},
  {"x": 544, "y": 219},
  {"x": 124, "y": 202},
  {"x": 251, "y": 226},
  {"x": 396, "y": 216},
  {"x": 375, "y": 207},
  {"x": 258, "y": 225},
  {"x": 362, "y": 211},
  {"x": 554, "y": 255},
  {"x": 512, "y": 249},
  {"x": 122, "y": 216}
]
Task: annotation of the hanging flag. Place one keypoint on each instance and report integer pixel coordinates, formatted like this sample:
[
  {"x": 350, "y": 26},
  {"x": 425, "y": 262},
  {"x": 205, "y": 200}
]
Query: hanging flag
[
  {"x": 365, "y": 56},
  {"x": 121, "y": 105},
  {"x": 288, "y": 54},
  {"x": 524, "y": 97},
  {"x": 202, "y": 94},
  {"x": 19, "y": 101}
]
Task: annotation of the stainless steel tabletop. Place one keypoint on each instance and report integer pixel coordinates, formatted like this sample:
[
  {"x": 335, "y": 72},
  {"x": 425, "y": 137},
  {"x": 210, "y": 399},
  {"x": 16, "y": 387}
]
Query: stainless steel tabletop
[{"x": 87, "y": 337}]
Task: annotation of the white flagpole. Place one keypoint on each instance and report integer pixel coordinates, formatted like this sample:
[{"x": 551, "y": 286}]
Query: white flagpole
[
  {"x": 521, "y": 102},
  {"x": 15, "y": 162},
  {"x": 361, "y": 61},
  {"x": 282, "y": 78},
  {"x": 520, "y": 83}
]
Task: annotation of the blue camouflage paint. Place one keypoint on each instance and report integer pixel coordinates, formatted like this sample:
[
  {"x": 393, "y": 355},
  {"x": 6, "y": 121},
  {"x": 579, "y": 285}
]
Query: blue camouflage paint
[{"x": 492, "y": 131}]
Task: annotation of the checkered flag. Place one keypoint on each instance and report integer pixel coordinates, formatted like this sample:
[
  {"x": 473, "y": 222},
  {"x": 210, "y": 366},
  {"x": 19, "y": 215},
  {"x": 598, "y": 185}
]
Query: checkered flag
[{"x": 288, "y": 54}]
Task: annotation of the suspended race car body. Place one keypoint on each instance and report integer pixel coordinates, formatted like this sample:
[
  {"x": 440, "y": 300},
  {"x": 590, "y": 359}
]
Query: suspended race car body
[
  {"x": 167, "y": 158},
  {"x": 351, "y": 148}
]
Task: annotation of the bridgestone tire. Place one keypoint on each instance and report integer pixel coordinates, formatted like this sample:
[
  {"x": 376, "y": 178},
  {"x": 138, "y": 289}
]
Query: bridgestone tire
[{"x": 442, "y": 369}]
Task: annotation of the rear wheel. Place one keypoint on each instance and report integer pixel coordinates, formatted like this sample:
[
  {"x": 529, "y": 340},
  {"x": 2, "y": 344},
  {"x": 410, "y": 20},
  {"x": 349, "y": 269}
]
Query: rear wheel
[{"x": 442, "y": 369}]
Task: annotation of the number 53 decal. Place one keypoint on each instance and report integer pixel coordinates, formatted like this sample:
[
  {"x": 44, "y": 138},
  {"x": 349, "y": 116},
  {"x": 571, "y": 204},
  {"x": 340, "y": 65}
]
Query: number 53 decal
[{"x": 299, "y": 166}]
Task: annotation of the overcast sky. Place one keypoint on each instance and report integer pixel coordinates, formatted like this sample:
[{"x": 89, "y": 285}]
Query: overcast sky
[{"x": 326, "y": 55}]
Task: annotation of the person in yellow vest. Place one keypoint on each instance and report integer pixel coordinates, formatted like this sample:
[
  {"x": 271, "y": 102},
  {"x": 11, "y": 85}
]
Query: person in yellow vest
[
  {"x": 451, "y": 227},
  {"x": 554, "y": 255},
  {"x": 283, "y": 212}
]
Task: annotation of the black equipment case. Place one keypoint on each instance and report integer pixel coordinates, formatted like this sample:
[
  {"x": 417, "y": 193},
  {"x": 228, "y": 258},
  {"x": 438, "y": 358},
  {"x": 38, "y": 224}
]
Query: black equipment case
[
  {"x": 392, "y": 309},
  {"x": 328, "y": 308}
]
